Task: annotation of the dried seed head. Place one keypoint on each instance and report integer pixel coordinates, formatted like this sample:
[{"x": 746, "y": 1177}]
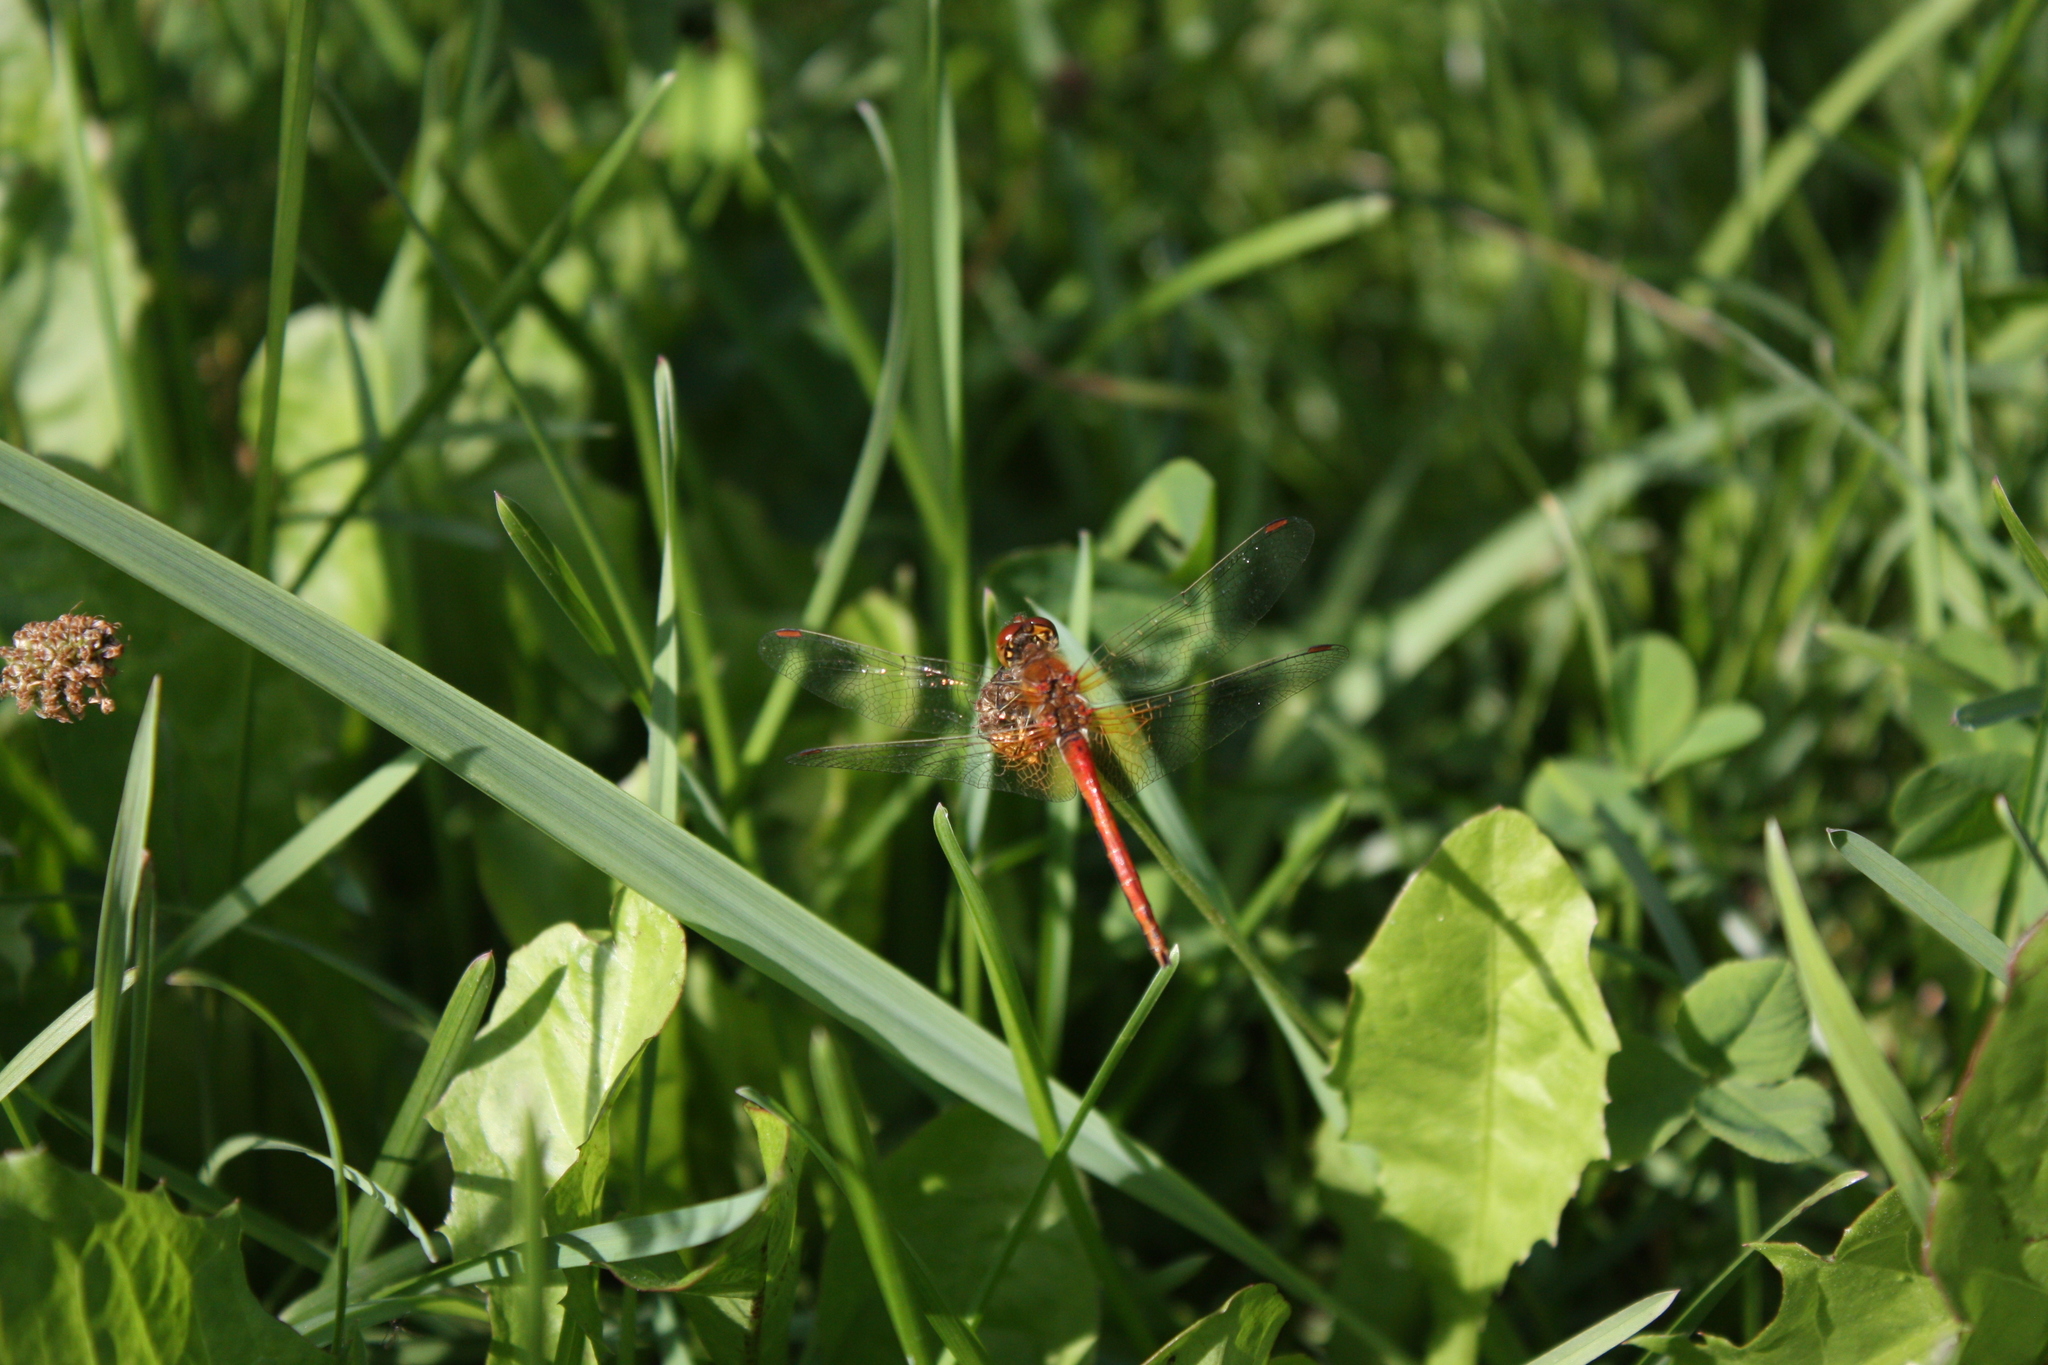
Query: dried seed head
[{"x": 60, "y": 665}]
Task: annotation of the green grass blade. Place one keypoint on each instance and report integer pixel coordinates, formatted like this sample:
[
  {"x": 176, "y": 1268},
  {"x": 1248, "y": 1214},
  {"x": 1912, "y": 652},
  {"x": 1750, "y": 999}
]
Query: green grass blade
[
  {"x": 1014, "y": 1007},
  {"x": 138, "y": 1034},
  {"x": 301, "y": 38},
  {"x": 292, "y": 860},
  {"x": 2018, "y": 834},
  {"x": 337, "y": 1160},
  {"x": 1656, "y": 901},
  {"x": 1089, "y": 1098},
  {"x": 510, "y": 296},
  {"x": 595, "y": 548},
  {"x": 2022, "y": 703},
  {"x": 664, "y": 716},
  {"x": 1305, "y": 845},
  {"x": 1880, "y": 1103},
  {"x": 1916, "y": 894},
  {"x": 1062, "y": 836},
  {"x": 1704, "y": 1301},
  {"x": 1912, "y": 33},
  {"x": 883, "y": 418},
  {"x": 2022, "y": 539},
  {"x": 376, "y": 1195},
  {"x": 1920, "y": 663},
  {"x": 1608, "y": 1333},
  {"x": 148, "y": 464},
  {"x": 1585, "y": 590},
  {"x": 620, "y": 836},
  {"x": 565, "y": 585},
  {"x": 399, "y": 1153},
  {"x": 816, "y": 258},
  {"x": 847, "y": 1123},
  {"x": 125, "y": 870},
  {"x": 1262, "y": 248},
  {"x": 689, "y": 603}
]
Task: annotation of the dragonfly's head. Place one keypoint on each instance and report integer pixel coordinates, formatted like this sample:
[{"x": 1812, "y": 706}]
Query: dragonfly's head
[{"x": 1024, "y": 637}]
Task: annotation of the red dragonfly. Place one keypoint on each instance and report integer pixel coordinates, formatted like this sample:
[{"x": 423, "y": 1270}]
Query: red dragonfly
[{"x": 1032, "y": 724}]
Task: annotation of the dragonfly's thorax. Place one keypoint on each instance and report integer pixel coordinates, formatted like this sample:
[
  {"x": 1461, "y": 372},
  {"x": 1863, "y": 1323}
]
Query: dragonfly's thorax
[{"x": 1034, "y": 696}]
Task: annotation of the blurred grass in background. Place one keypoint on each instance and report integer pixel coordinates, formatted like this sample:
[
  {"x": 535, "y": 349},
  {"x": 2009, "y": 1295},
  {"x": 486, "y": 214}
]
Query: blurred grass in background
[{"x": 1757, "y": 294}]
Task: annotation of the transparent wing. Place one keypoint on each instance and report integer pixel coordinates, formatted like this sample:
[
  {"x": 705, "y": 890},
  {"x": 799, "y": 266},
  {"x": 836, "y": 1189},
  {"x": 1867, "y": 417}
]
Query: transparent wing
[
  {"x": 933, "y": 695},
  {"x": 1140, "y": 742},
  {"x": 1209, "y": 617},
  {"x": 1034, "y": 768}
]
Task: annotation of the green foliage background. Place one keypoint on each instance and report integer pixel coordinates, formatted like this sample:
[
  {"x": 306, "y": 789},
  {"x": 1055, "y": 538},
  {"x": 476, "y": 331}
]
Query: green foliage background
[{"x": 1644, "y": 369}]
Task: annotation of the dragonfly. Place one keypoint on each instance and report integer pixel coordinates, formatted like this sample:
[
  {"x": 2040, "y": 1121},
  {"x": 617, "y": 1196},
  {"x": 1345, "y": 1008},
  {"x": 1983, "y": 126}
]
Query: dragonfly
[{"x": 1030, "y": 723}]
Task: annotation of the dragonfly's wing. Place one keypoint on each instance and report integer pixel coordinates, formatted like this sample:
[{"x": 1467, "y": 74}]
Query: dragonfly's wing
[
  {"x": 1034, "y": 769},
  {"x": 933, "y": 695},
  {"x": 1211, "y": 616},
  {"x": 1141, "y": 741}
]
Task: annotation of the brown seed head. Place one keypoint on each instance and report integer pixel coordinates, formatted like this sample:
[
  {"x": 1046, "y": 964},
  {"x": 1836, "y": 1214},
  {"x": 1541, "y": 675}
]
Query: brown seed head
[{"x": 62, "y": 665}]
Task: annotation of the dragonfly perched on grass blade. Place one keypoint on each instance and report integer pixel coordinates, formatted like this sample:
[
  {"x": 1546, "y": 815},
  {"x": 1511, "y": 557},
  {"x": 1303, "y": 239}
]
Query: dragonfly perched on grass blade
[{"x": 1032, "y": 724}]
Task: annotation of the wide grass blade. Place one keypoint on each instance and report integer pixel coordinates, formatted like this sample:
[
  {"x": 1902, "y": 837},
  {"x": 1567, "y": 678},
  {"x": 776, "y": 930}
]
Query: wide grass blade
[
  {"x": 1917, "y": 894},
  {"x": 1879, "y": 1101},
  {"x": 292, "y": 860},
  {"x": 2022, "y": 703},
  {"x": 620, "y": 836},
  {"x": 301, "y": 38},
  {"x": 328, "y": 1122},
  {"x": 1608, "y": 1333},
  {"x": 125, "y": 870}
]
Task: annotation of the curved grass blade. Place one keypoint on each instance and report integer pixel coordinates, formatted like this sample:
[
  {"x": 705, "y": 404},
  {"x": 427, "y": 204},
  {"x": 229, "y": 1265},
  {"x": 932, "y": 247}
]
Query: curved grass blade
[
  {"x": 1879, "y": 1101},
  {"x": 235, "y": 1146},
  {"x": 292, "y": 860},
  {"x": 2018, "y": 834},
  {"x": 1608, "y": 1333},
  {"x": 1704, "y": 1301},
  {"x": 1917, "y": 894},
  {"x": 117, "y": 912},
  {"x": 327, "y": 1121},
  {"x": 2022, "y": 539},
  {"x": 622, "y": 837},
  {"x": 565, "y": 585}
]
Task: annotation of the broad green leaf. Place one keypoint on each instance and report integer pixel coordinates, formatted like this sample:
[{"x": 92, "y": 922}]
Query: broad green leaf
[
  {"x": 1650, "y": 1097},
  {"x": 1918, "y": 895},
  {"x": 951, "y": 1192},
  {"x": 1988, "y": 1234},
  {"x": 1656, "y": 693},
  {"x": 575, "y": 1011},
  {"x": 1179, "y": 499},
  {"x": 1241, "y": 1332},
  {"x": 1868, "y": 1304},
  {"x": 89, "y": 1272},
  {"x": 623, "y": 837},
  {"x": 1475, "y": 1047},
  {"x": 1745, "y": 1019},
  {"x": 1770, "y": 1120},
  {"x": 1946, "y": 806},
  {"x": 1718, "y": 730},
  {"x": 318, "y": 413},
  {"x": 1702, "y": 1303}
]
